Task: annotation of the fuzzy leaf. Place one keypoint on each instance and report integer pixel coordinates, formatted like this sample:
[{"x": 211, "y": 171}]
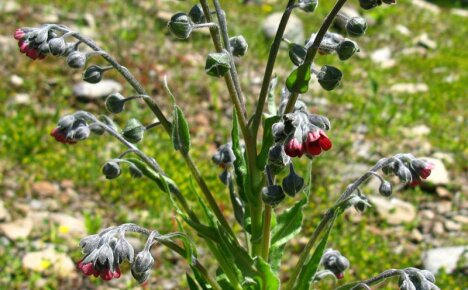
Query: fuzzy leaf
[
  {"x": 180, "y": 131},
  {"x": 288, "y": 225},
  {"x": 296, "y": 85},
  {"x": 267, "y": 141},
  {"x": 268, "y": 279}
]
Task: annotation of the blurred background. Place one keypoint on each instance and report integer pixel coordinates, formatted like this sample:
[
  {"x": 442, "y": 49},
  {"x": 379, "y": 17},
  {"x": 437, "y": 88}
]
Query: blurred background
[{"x": 405, "y": 91}]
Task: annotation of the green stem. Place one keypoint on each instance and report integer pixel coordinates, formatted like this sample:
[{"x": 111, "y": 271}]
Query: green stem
[
  {"x": 312, "y": 51},
  {"x": 257, "y": 118},
  {"x": 225, "y": 266},
  {"x": 266, "y": 232}
]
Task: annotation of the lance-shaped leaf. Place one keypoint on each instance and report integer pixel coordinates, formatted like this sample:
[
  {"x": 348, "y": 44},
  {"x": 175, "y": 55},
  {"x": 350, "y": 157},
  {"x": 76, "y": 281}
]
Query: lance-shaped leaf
[
  {"x": 288, "y": 224},
  {"x": 296, "y": 84},
  {"x": 268, "y": 279},
  {"x": 180, "y": 131},
  {"x": 268, "y": 140},
  {"x": 191, "y": 282}
]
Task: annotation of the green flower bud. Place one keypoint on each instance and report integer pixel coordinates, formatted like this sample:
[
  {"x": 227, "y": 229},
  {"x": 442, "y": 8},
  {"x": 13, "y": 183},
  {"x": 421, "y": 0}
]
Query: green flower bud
[
  {"x": 356, "y": 26},
  {"x": 329, "y": 77},
  {"x": 133, "y": 131},
  {"x": 111, "y": 170},
  {"x": 218, "y": 64},
  {"x": 308, "y": 5},
  {"x": 115, "y": 103},
  {"x": 93, "y": 74},
  {"x": 180, "y": 25},
  {"x": 385, "y": 188},
  {"x": 135, "y": 172},
  {"x": 197, "y": 15},
  {"x": 297, "y": 53},
  {"x": 76, "y": 59},
  {"x": 57, "y": 46},
  {"x": 238, "y": 45},
  {"x": 272, "y": 195},
  {"x": 346, "y": 49}
]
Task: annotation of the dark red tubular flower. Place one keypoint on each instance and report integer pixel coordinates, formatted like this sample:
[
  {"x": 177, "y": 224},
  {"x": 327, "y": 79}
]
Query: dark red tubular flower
[
  {"x": 293, "y": 148},
  {"x": 426, "y": 170},
  {"x": 316, "y": 142},
  {"x": 105, "y": 273},
  {"x": 88, "y": 269},
  {"x": 61, "y": 137},
  {"x": 26, "y": 47}
]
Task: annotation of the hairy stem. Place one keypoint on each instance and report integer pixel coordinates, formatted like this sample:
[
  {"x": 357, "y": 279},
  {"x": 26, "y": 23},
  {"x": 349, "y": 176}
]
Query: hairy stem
[
  {"x": 312, "y": 51},
  {"x": 266, "y": 232}
]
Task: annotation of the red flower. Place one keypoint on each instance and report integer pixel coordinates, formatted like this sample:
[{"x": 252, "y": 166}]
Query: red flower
[
  {"x": 105, "y": 273},
  {"x": 339, "y": 276},
  {"x": 293, "y": 148},
  {"x": 25, "y": 47},
  {"x": 426, "y": 170},
  {"x": 61, "y": 137},
  {"x": 316, "y": 142},
  {"x": 19, "y": 34}
]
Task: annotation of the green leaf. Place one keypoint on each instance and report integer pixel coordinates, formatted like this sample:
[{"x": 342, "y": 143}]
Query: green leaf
[
  {"x": 268, "y": 140},
  {"x": 223, "y": 280},
  {"x": 199, "y": 277},
  {"x": 276, "y": 253},
  {"x": 240, "y": 167},
  {"x": 237, "y": 204},
  {"x": 296, "y": 85},
  {"x": 191, "y": 282},
  {"x": 289, "y": 224},
  {"x": 267, "y": 279},
  {"x": 159, "y": 179},
  {"x": 180, "y": 131},
  {"x": 309, "y": 269}
]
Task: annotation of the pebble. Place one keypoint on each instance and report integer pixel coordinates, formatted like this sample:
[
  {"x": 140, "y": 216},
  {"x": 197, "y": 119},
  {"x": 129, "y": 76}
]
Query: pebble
[
  {"x": 294, "y": 30},
  {"x": 394, "y": 211},
  {"x": 383, "y": 57},
  {"x": 446, "y": 257},
  {"x": 45, "y": 189},
  {"x": 18, "y": 229},
  {"x": 459, "y": 12},
  {"x": 409, "y": 88},
  {"x": 69, "y": 225},
  {"x": 16, "y": 81},
  {"x": 102, "y": 89},
  {"x": 50, "y": 262},
  {"x": 424, "y": 41},
  {"x": 9, "y": 7},
  {"x": 426, "y": 6},
  {"x": 4, "y": 214},
  {"x": 438, "y": 228},
  {"x": 21, "y": 99},
  {"x": 443, "y": 192},
  {"x": 452, "y": 226}
]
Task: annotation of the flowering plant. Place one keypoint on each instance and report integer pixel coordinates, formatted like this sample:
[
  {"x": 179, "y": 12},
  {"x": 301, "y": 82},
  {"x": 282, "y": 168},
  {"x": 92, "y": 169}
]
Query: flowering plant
[{"x": 258, "y": 172}]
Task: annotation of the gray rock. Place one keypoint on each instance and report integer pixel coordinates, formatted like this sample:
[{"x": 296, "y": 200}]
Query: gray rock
[
  {"x": 294, "y": 30},
  {"x": 447, "y": 258},
  {"x": 50, "y": 262},
  {"x": 452, "y": 226},
  {"x": 439, "y": 175},
  {"x": 45, "y": 189},
  {"x": 102, "y": 89},
  {"x": 21, "y": 99},
  {"x": 18, "y": 229},
  {"x": 383, "y": 57},
  {"x": 424, "y": 41},
  {"x": 459, "y": 12},
  {"x": 417, "y": 131},
  {"x": 403, "y": 29},
  {"x": 409, "y": 88},
  {"x": 394, "y": 211},
  {"x": 4, "y": 214}
]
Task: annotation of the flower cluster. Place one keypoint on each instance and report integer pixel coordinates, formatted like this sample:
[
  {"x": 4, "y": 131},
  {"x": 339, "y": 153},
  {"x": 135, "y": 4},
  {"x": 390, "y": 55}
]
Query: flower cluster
[
  {"x": 70, "y": 130},
  {"x": 302, "y": 133},
  {"x": 333, "y": 261},
  {"x": 105, "y": 252},
  {"x": 414, "y": 279},
  {"x": 409, "y": 168},
  {"x": 33, "y": 41}
]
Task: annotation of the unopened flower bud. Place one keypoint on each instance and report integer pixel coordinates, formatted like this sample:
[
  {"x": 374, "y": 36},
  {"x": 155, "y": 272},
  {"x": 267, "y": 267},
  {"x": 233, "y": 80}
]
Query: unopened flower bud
[
  {"x": 140, "y": 277},
  {"x": 115, "y": 103},
  {"x": 277, "y": 158},
  {"x": 44, "y": 48},
  {"x": 368, "y": 4},
  {"x": 111, "y": 170},
  {"x": 96, "y": 129},
  {"x": 76, "y": 59},
  {"x": 272, "y": 195},
  {"x": 123, "y": 250},
  {"x": 143, "y": 262},
  {"x": 224, "y": 156},
  {"x": 66, "y": 122},
  {"x": 57, "y": 46},
  {"x": 297, "y": 53},
  {"x": 292, "y": 184},
  {"x": 180, "y": 25},
  {"x": 308, "y": 5},
  {"x": 41, "y": 35},
  {"x": 406, "y": 284},
  {"x": 89, "y": 243},
  {"x": 346, "y": 49},
  {"x": 218, "y": 64},
  {"x": 428, "y": 275},
  {"x": 80, "y": 133},
  {"x": 333, "y": 261},
  {"x": 197, "y": 15},
  {"x": 238, "y": 45},
  {"x": 133, "y": 131},
  {"x": 403, "y": 173},
  {"x": 385, "y": 188},
  {"x": 356, "y": 26},
  {"x": 329, "y": 77},
  {"x": 224, "y": 177},
  {"x": 93, "y": 74},
  {"x": 135, "y": 172}
]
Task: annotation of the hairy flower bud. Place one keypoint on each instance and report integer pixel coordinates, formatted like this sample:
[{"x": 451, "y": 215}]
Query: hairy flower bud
[
  {"x": 180, "y": 25},
  {"x": 238, "y": 45},
  {"x": 133, "y": 131},
  {"x": 76, "y": 59},
  {"x": 272, "y": 195},
  {"x": 140, "y": 277},
  {"x": 80, "y": 133},
  {"x": 143, "y": 262},
  {"x": 111, "y": 170},
  {"x": 93, "y": 74},
  {"x": 329, "y": 77},
  {"x": 297, "y": 53},
  {"x": 308, "y": 5},
  {"x": 115, "y": 103},
  {"x": 89, "y": 243},
  {"x": 356, "y": 26},
  {"x": 123, "y": 250},
  {"x": 57, "y": 46},
  {"x": 385, "y": 188},
  {"x": 197, "y": 15},
  {"x": 218, "y": 64},
  {"x": 333, "y": 261},
  {"x": 44, "y": 48},
  {"x": 66, "y": 122},
  {"x": 224, "y": 157},
  {"x": 293, "y": 183},
  {"x": 277, "y": 158},
  {"x": 135, "y": 172},
  {"x": 406, "y": 284},
  {"x": 346, "y": 49},
  {"x": 403, "y": 173}
]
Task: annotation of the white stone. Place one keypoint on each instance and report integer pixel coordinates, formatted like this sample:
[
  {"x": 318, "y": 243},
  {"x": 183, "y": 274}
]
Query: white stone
[
  {"x": 383, "y": 57},
  {"x": 18, "y": 229},
  {"x": 9, "y": 6},
  {"x": 409, "y": 88},
  {"x": 426, "y": 6},
  {"x": 21, "y": 99},
  {"x": 94, "y": 91},
  {"x": 50, "y": 262},
  {"x": 424, "y": 41},
  {"x": 403, "y": 29},
  {"x": 69, "y": 225},
  {"x": 459, "y": 12},
  {"x": 439, "y": 175},
  {"x": 4, "y": 214},
  {"x": 394, "y": 211},
  {"x": 294, "y": 30},
  {"x": 16, "y": 80},
  {"x": 418, "y": 131},
  {"x": 447, "y": 258}
]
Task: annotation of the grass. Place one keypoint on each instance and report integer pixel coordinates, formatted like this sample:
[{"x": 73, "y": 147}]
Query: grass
[{"x": 140, "y": 41}]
